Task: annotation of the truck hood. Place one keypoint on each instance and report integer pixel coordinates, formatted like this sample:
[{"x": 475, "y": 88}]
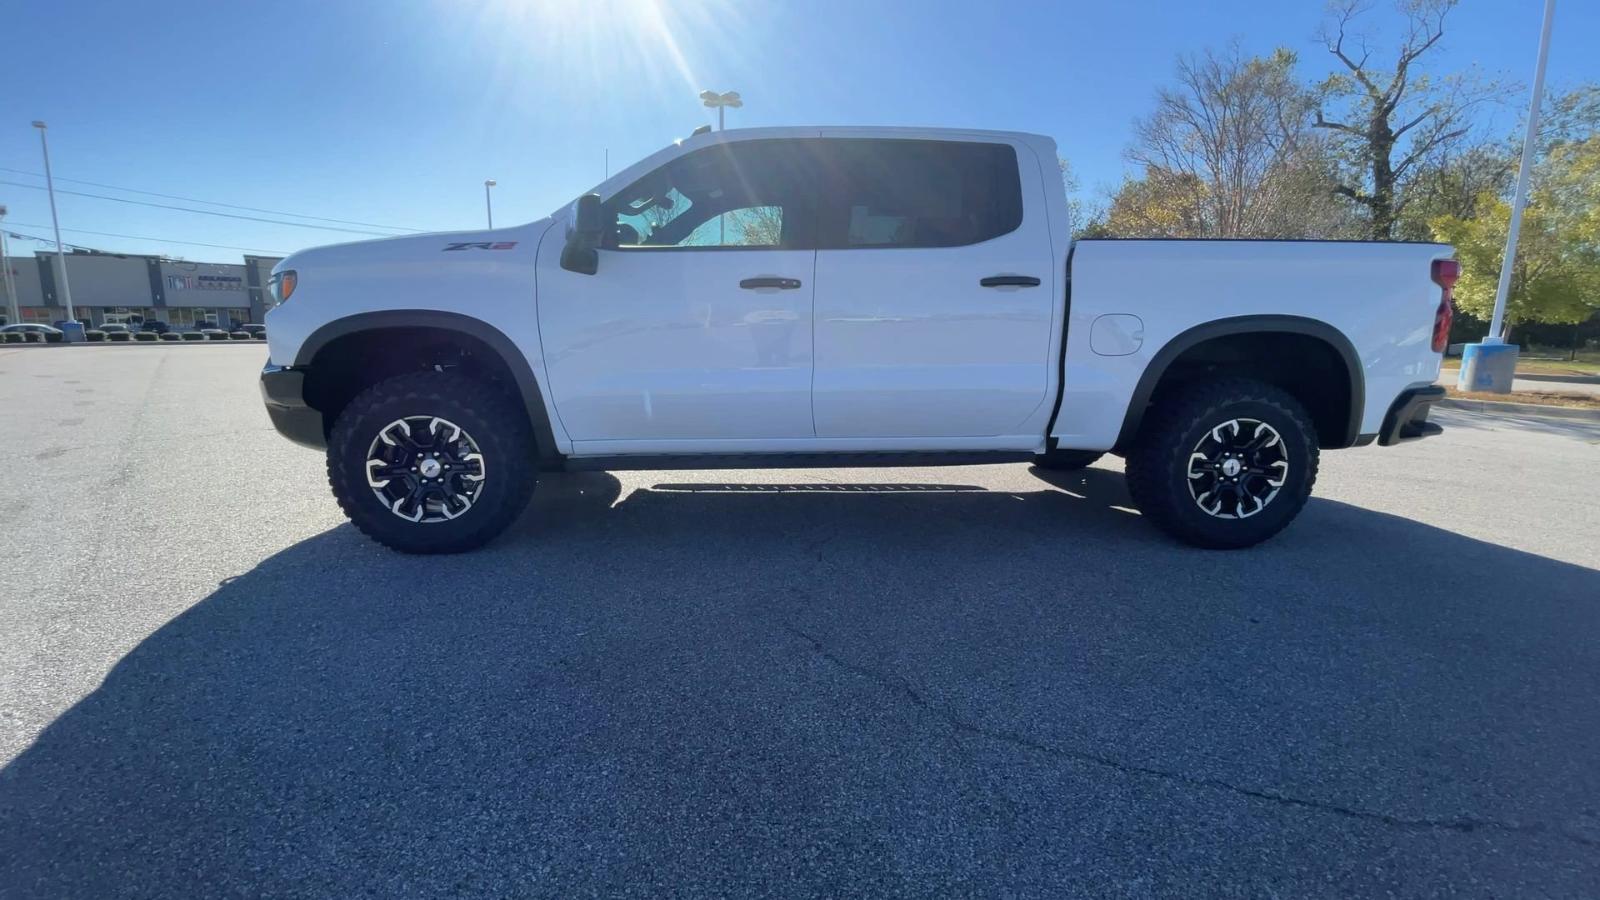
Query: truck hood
[{"x": 431, "y": 248}]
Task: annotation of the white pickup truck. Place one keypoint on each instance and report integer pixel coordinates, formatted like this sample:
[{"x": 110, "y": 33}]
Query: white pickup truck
[{"x": 844, "y": 297}]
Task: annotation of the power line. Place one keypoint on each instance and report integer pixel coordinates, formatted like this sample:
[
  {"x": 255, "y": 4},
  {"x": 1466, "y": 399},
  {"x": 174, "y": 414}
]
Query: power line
[
  {"x": 140, "y": 237},
  {"x": 274, "y": 212},
  {"x": 203, "y": 212}
]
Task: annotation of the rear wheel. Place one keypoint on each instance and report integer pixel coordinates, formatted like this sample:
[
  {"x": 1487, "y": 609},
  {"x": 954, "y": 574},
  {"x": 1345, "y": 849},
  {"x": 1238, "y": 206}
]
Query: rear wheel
[
  {"x": 1224, "y": 464},
  {"x": 1066, "y": 460},
  {"x": 431, "y": 462}
]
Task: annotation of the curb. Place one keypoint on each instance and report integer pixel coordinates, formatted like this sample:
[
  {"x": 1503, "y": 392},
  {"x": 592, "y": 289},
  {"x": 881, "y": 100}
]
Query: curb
[
  {"x": 1536, "y": 410},
  {"x": 1536, "y": 376},
  {"x": 1559, "y": 379}
]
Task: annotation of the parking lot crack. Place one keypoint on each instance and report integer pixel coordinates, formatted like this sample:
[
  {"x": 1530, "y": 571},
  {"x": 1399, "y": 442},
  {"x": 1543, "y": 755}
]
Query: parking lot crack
[{"x": 902, "y": 687}]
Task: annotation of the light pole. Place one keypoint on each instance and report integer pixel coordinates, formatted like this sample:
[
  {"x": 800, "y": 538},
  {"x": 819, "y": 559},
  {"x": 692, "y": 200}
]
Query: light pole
[
  {"x": 55, "y": 221},
  {"x": 488, "y": 207},
  {"x": 720, "y": 102},
  {"x": 5, "y": 270},
  {"x": 1491, "y": 364}
]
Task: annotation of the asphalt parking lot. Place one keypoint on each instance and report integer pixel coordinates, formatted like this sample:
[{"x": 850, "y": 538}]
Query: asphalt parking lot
[{"x": 969, "y": 681}]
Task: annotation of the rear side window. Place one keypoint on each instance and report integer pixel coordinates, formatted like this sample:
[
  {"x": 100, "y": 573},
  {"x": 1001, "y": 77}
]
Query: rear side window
[{"x": 907, "y": 193}]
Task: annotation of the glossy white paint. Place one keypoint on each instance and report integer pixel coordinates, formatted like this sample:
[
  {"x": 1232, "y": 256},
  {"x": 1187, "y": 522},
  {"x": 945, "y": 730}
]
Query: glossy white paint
[
  {"x": 417, "y": 272},
  {"x": 909, "y": 344},
  {"x": 1116, "y": 334},
  {"x": 1380, "y": 296},
  {"x": 664, "y": 353},
  {"x": 665, "y": 345}
]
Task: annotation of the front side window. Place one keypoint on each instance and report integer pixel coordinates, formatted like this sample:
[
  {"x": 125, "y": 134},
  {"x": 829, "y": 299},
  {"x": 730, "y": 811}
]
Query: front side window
[
  {"x": 912, "y": 193},
  {"x": 750, "y": 194}
]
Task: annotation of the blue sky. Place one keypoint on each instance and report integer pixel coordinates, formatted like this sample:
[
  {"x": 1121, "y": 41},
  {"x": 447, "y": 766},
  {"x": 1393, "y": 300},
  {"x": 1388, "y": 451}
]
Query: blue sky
[{"x": 395, "y": 112}]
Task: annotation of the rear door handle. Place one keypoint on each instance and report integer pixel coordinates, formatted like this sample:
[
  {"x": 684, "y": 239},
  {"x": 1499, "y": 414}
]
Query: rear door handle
[
  {"x": 770, "y": 283},
  {"x": 1009, "y": 281}
]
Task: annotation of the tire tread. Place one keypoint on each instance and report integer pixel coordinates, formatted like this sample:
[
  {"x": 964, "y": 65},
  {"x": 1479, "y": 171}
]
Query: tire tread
[
  {"x": 475, "y": 397},
  {"x": 1160, "y": 450}
]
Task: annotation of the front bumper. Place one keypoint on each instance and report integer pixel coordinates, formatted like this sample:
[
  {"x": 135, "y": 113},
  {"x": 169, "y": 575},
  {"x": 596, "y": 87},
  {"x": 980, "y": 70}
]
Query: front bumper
[
  {"x": 1407, "y": 419},
  {"x": 283, "y": 391}
]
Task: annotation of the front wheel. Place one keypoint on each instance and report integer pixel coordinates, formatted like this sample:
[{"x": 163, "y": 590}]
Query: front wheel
[
  {"x": 1224, "y": 464},
  {"x": 431, "y": 462}
]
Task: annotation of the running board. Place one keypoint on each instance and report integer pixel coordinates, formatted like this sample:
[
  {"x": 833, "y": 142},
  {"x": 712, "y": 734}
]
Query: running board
[{"x": 794, "y": 460}]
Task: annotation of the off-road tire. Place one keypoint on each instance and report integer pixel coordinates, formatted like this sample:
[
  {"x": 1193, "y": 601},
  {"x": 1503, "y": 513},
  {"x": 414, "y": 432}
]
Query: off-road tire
[
  {"x": 1066, "y": 460},
  {"x": 1158, "y": 467},
  {"x": 494, "y": 422}
]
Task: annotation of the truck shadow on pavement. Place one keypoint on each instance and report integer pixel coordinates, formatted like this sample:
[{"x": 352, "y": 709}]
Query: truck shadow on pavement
[{"x": 838, "y": 690}]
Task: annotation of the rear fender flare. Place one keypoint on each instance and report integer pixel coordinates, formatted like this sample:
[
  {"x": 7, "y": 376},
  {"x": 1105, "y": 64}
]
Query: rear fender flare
[{"x": 1259, "y": 324}]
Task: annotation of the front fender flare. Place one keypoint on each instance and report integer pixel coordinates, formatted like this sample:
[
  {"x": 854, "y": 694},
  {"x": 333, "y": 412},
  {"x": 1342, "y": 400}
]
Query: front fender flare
[{"x": 516, "y": 362}]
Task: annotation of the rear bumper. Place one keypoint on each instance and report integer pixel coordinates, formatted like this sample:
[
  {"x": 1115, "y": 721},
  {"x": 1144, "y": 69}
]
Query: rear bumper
[
  {"x": 283, "y": 392},
  {"x": 1407, "y": 419}
]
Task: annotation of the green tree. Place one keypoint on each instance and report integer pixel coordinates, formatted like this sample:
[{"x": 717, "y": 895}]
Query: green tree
[
  {"x": 1160, "y": 204},
  {"x": 1557, "y": 273}
]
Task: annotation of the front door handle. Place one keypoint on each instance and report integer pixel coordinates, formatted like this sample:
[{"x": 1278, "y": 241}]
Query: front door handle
[
  {"x": 770, "y": 282},
  {"x": 1009, "y": 281}
]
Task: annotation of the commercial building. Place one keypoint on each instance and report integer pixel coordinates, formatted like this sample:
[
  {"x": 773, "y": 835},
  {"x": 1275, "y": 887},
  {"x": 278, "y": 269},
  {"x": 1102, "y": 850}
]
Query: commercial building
[{"x": 110, "y": 287}]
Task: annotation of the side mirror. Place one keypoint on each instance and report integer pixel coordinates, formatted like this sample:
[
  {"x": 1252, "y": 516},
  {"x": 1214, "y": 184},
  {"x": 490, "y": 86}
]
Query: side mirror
[{"x": 581, "y": 253}]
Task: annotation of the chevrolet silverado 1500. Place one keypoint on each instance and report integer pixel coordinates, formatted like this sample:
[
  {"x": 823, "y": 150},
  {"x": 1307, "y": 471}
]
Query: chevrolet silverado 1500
[{"x": 844, "y": 296}]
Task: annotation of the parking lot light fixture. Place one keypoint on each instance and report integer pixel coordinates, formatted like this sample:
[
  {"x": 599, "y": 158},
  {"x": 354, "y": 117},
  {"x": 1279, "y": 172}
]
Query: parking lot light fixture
[
  {"x": 55, "y": 221},
  {"x": 488, "y": 207},
  {"x": 720, "y": 102}
]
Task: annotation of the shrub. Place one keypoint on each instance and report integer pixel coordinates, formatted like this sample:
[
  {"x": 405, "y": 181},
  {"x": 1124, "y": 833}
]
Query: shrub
[
  {"x": 93, "y": 335},
  {"x": 170, "y": 336},
  {"x": 144, "y": 336}
]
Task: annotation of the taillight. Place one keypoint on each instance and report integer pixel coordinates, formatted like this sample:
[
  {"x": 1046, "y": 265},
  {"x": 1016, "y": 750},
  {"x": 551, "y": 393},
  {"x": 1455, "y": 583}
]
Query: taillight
[{"x": 1445, "y": 274}]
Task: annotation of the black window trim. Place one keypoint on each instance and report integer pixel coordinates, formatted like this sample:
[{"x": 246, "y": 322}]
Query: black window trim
[{"x": 824, "y": 206}]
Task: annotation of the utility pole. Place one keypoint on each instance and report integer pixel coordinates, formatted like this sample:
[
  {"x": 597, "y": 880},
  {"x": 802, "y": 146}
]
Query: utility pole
[
  {"x": 488, "y": 206},
  {"x": 15, "y": 314},
  {"x": 74, "y": 332}
]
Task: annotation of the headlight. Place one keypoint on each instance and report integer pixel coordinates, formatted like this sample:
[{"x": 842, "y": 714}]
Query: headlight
[{"x": 281, "y": 286}]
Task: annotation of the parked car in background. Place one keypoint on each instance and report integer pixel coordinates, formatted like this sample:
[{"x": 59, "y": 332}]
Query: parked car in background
[
  {"x": 255, "y": 330},
  {"x": 155, "y": 326},
  {"x": 785, "y": 297},
  {"x": 39, "y": 329},
  {"x": 115, "y": 331}
]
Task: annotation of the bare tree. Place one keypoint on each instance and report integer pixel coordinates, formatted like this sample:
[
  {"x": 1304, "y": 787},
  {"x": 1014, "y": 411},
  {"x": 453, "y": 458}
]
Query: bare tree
[
  {"x": 1392, "y": 120},
  {"x": 1228, "y": 152}
]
